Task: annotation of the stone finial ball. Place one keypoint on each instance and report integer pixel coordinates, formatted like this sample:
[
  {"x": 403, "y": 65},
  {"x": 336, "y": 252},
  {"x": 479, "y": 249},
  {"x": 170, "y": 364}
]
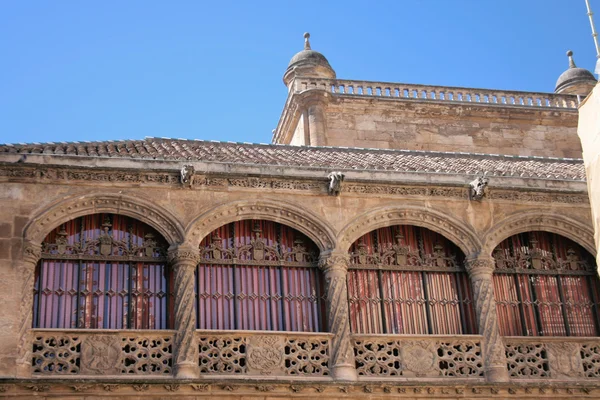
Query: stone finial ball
[
  {"x": 569, "y": 53},
  {"x": 306, "y": 35}
]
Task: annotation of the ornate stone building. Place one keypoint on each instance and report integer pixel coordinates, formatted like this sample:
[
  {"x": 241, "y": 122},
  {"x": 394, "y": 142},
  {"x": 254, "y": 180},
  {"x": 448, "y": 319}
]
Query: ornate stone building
[{"x": 395, "y": 241}]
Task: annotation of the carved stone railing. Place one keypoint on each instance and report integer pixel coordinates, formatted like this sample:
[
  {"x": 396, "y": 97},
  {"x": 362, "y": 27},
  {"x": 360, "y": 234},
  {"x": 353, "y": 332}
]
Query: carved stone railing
[
  {"x": 263, "y": 354},
  {"x": 413, "y": 357},
  {"x": 102, "y": 352},
  {"x": 402, "y": 91},
  {"x": 563, "y": 358}
]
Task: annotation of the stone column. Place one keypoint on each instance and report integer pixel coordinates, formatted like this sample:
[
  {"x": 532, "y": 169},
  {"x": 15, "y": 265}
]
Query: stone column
[
  {"x": 480, "y": 270},
  {"x": 183, "y": 260},
  {"x": 316, "y": 124},
  {"x": 32, "y": 253},
  {"x": 335, "y": 271}
]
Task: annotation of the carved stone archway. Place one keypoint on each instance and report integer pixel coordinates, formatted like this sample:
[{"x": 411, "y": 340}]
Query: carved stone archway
[
  {"x": 451, "y": 229},
  {"x": 51, "y": 216},
  {"x": 576, "y": 231},
  {"x": 288, "y": 214}
]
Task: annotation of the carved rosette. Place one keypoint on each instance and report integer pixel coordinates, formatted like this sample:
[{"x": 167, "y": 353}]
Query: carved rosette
[
  {"x": 183, "y": 260},
  {"x": 32, "y": 252},
  {"x": 480, "y": 271},
  {"x": 335, "y": 270},
  {"x": 420, "y": 358}
]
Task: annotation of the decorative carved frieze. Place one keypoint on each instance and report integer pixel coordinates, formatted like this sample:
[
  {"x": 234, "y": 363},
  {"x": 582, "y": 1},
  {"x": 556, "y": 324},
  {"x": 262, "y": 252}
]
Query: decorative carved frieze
[
  {"x": 258, "y": 252},
  {"x": 402, "y": 257}
]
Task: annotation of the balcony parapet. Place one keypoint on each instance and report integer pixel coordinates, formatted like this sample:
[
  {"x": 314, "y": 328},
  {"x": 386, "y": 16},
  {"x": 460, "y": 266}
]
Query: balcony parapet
[
  {"x": 264, "y": 354},
  {"x": 445, "y": 94},
  {"x": 418, "y": 357},
  {"x": 555, "y": 358},
  {"x": 87, "y": 352}
]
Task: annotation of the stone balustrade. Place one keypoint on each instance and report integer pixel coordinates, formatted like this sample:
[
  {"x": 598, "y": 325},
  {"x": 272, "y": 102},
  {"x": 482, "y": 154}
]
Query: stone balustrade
[{"x": 402, "y": 91}]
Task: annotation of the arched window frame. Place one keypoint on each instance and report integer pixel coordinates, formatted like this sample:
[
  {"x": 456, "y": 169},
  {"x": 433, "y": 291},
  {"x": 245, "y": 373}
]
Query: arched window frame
[
  {"x": 283, "y": 270},
  {"x": 525, "y": 272},
  {"x": 116, "y": 278},
  {"x": 397, "y": 263}
]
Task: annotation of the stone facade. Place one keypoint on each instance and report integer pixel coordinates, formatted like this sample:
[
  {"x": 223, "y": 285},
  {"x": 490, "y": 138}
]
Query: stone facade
[{"x": 187, "y": 189}]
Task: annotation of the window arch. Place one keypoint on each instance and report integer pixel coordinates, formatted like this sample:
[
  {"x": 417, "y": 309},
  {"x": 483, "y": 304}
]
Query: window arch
[
  {"x": 408, "y": 280},
  {"x": 545, "y": 285},
  {"x": 103, "y": 271},
  {"x": 259, "y": 275}
]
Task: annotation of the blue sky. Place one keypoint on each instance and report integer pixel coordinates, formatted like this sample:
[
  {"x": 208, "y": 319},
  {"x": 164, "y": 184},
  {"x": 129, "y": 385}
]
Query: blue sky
[{"x": 110, "y": 70}]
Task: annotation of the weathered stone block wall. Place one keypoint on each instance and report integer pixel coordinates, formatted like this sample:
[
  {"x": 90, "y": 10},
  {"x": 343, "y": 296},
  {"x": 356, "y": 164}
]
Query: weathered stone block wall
[
  {"x": 589, "y": 133},
  {"x": 413, "y": 125}
]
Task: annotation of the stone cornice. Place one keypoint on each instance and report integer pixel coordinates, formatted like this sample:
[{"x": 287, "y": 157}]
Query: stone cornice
[
  {"x": 447, "y": 186},
  {"x": 158, "y": 388}
]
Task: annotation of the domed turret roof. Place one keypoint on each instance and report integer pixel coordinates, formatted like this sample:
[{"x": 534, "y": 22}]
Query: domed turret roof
[
  {"x": 308, "y": 55},
  {"x": 575, "y": 80},
  {"x": 308, "y": 63}
]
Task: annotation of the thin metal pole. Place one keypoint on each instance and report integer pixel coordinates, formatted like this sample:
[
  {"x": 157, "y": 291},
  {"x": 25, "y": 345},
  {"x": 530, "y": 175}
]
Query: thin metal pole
[{"x": 594, "y": 35}]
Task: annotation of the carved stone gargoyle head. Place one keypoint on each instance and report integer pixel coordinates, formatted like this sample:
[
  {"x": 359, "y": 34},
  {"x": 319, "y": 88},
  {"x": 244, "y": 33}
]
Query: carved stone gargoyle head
[
  {"x": 335, "y": 183},
  {"x": 187, "y": 175},
  {"x": 478, "y": 187}
]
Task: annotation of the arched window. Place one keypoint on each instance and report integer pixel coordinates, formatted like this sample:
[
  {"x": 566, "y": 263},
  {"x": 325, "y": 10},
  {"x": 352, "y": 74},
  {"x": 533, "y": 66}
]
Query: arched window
[
  {"x": 103, "y": 271},
  {"x": 545, "y": 285},
  {"x": 258, "y": 275},
  {"x": 408, "y": 280}
]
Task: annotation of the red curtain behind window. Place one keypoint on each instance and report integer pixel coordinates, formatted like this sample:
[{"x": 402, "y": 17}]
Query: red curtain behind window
[
  {"x": 243, "y": 294},
  {"x": 555, "y": 297},
  {"x": 416, "y": 298}
]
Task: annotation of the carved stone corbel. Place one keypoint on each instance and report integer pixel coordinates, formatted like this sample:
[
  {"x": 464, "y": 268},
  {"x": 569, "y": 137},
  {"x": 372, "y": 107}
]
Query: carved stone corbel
[
  {"x": 183, "y": 260},
  {"x": 335, "y": 271},
  {"x": 32, "y": 252},
  {"x": 480, "y": 271}
]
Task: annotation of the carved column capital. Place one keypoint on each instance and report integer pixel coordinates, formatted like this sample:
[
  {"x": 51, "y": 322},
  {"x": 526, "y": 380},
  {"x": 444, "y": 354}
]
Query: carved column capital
[
  {"x": 334, "y": 262},
  {"x": 480, "y": 267},
  {"x": 183, "y": 254},
  {"x": 32, "y": 252}
]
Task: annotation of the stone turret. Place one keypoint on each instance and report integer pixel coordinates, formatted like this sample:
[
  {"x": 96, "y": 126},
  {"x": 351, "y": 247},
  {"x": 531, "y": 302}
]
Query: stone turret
[
  {"x": 575, "y": 80},
  {"x": 308, "y": 63}
]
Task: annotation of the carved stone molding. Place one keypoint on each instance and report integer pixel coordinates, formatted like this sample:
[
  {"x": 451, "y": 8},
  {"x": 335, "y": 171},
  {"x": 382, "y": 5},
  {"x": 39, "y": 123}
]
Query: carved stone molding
[
  {"x": 291, "y": 215},
  {"x": 578, "y": 232},
  {"x": 100, "y": 355},
  {"x": 454, "y": 231},
  {"x": 52, "y": 216},
  {"x": 31, "y": 254}
]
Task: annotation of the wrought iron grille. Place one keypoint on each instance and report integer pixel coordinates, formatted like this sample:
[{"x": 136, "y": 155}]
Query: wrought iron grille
[
  {"x": 103, "y": 271},
  {"x": 545, "y": 285},
  {"x": 259, "y": 275},
  {"x": 408, "y": 280}
]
